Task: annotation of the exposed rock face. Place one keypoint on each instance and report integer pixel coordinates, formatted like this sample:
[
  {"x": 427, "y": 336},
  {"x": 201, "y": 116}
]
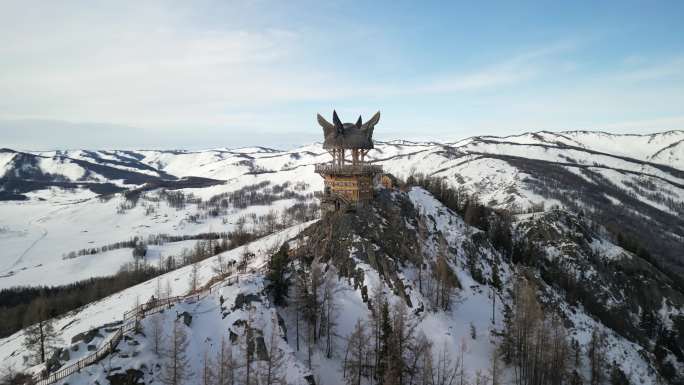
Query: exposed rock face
[
  {"x": 382, "y": 234},
  {"x": 576, "y": 265},
  {"x": 310, "y": 380},
  {"x": 241, "y": 300},
  {"x": 621, "y": 289},
  {"x": 187, "y": 318},
  {"x": 87, "y": 336},
  {"x": 130, "y": 377}
]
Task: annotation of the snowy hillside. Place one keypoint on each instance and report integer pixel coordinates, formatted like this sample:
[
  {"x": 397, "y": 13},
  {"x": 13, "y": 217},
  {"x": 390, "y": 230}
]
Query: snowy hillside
[
  {"x": 395, "y": 250},
  {"x": 59, "y": 202}
]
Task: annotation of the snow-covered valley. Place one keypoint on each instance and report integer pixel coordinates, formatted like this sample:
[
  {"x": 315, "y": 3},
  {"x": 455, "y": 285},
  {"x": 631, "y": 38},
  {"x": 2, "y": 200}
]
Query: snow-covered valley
[
  {"x": 503, "y": 172},
  {"x": 558, "y": 187}
]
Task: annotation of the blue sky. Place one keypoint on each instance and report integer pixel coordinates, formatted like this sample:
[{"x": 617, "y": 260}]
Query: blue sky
[{"x": 220, "y": 73}]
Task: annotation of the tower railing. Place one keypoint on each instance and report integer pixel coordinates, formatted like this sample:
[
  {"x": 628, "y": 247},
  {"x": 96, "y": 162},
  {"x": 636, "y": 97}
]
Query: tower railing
[{"x": 348, "y": 169}]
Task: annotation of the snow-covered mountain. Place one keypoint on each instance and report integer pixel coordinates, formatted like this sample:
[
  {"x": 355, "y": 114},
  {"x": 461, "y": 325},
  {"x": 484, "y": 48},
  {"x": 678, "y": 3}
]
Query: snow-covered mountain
[
  {"x": 377, "y": 252},
  {"x": 634, "y": 180},
  {"x": 66, "y": 216}
]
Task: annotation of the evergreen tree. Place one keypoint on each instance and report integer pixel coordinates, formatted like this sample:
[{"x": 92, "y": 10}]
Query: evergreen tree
[
  {"x": 617, "y": 377},
  {"x": 596, "y": 355},
  {"x": 496, "y": 279},
  {"x": 277, "y": 274},
  {"x": 385, "y": 342}
]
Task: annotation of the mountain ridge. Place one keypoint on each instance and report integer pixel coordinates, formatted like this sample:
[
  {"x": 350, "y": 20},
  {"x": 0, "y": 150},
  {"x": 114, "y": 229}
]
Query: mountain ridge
[{"x": 366, "y": 262}]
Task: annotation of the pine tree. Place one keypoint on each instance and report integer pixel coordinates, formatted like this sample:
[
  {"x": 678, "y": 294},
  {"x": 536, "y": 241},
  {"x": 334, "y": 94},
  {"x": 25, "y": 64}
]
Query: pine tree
[
  {"x": 227, "y": 365},
  {"x": 495, "y": 369},
  {"x": 168, "y": 290},
  {"x": 277, "y": 274},
  {"x": 576, "y": 358},
  {"x": 462, "y": 347},
  {"x": 416, "y": 351},
  {"x": 274, "y": 371},
  {"x": 385, "y": 342},
  {"x": 402, "y": 343},
  {"x": 193, "y": 278},
  {"x": 559, "y": 358},
  {"x": 521, "y": 333},
  {"x": 176, "y": 366},
  {"x": 422, "y": 237},
  {"x": 40, "y": 337},
  {"x": 596, "y": 355},
  {"x": 426, "y": 374},
  {"x": 444, "y": 278},
  {"x": 221, "y": 266},
  {"x": 158, "y": 290},
  {"x": 309, "y": 301},
  {"x": 376, "y": 305},
  {"x": 354, "y": 358},
  {"x": 330, "y": 309},
  {"x": 208, "y": 370},
  {"x": 300, "y": 296},
  {"x": 496, "y": 280},
  {"x": 156, "y": 333},
  {"x": 248, "y": 348},
  {"x": 243, "y": 262},
  {"x": 447, "y": 369}
]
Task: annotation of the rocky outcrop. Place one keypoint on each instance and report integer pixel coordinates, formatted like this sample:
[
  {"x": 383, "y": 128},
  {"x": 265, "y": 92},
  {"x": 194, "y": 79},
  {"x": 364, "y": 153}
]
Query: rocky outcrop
[
  {"x": 381, "y": 234},
  {"x": 130, "y": 377}
]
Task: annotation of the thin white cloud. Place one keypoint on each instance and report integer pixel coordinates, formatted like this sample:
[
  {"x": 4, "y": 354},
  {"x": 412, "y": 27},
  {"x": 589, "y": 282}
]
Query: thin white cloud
[
  {"x": 173, "y": 68},
  {"x": 152, "y": 66},
  {"x": 667, "y": 68}
]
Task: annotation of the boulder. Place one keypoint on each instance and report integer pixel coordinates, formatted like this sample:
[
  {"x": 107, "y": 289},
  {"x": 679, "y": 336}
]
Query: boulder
[
  {"x": 187, "y": 318},
  {"x": 64, "y": 355},
  {"x": 86, "y": 337},
  {"x": 130, "y": 377},
  {"x": 310, "y": 379},
  {"x": 243, "y": 299},
  {"x": 52, "y": 363}
]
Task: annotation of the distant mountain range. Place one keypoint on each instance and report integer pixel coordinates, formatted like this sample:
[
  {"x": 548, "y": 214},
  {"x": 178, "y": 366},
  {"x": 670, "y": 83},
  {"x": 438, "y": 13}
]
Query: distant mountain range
[
  {"x": 634, "y": 183},
  {"x": 592, "y": 220}
]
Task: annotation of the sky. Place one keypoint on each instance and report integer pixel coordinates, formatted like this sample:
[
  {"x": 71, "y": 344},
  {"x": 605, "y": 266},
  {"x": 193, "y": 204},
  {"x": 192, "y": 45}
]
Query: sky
[{"x": 207, "y": 74}]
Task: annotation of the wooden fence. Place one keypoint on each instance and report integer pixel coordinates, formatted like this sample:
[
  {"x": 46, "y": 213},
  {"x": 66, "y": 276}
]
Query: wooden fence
[{"x": 131, "y": 318}]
